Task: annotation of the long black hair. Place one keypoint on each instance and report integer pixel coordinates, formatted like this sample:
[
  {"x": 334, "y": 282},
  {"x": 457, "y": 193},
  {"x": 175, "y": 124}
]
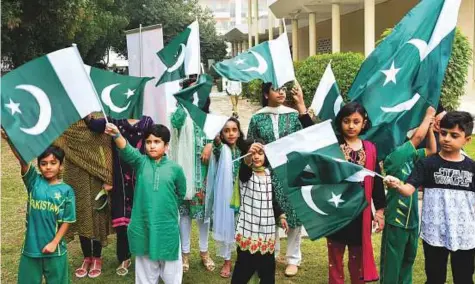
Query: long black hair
[
  {"x": 266, "y": 87},
  {"x": 240, "y": 143},
  {"x": 348, "y": 110}
]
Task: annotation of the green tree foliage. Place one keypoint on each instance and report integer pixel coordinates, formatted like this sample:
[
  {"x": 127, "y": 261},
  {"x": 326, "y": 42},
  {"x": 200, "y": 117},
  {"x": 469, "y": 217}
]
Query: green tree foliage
[
  {"x": 32, "y": 28},
  {"x": 175, "y": 16}
]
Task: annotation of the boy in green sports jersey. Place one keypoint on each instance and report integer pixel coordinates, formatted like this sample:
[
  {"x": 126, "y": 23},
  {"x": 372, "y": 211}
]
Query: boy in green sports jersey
[
  {"x": 401, "y": 233},
  {"x": 50, "y": 210}
]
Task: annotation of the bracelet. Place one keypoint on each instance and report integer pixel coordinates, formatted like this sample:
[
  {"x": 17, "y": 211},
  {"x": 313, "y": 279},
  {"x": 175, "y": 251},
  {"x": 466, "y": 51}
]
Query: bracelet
[{"x": 117, "y": 135}]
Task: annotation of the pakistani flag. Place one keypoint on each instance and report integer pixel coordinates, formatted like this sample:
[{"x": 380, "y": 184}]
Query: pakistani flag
[
  {"x": 327, "y": 100},
  {"x": 323, "y": 166},
  {"x": 181, "y": 56},
  {"x": 43, "y": 97},
  {"x": 269, "y": 61},
  {"x": 325, "y": 202},
  {"x": 193, "y": 99},
  {"x": 121, "y": 96},
  {"x": 404, "y": 74}
]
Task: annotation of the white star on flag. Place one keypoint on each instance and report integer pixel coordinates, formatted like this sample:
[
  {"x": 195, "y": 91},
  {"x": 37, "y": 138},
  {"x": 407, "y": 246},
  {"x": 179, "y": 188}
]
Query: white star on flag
[
  {"x": 390, "y": 74},
  {"x": 336, "y": 199},
  {"x": 129, "y": 93},
  {"x": 239, "y": 61},
  {"x": 15, "y": 107}
]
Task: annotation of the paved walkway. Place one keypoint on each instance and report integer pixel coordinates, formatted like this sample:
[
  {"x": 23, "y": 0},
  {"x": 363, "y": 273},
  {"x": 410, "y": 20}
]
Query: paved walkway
[{"x": 221, "y": 104}]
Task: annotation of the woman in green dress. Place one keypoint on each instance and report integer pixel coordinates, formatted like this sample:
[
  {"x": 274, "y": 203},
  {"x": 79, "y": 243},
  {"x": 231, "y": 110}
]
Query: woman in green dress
[{"x": 270, "y": 123}]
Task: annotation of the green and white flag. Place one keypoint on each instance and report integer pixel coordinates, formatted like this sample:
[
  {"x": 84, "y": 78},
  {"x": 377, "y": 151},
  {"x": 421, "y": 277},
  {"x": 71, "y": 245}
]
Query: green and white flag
[
  {"x": 181, "y": 56},
  {"x": 43, "y": 97},
  {"x": 327, "y": 100},
  {"x": 323, "y": 166},
  {"x": 202, "y": 91},
  {"x": 193, "y": 98},
  {"x": 404, "y": 74},
  {"x": 121, "y": 96},
  {"x": 322, "y": 205},
  {"x": 269, "y": 61}
]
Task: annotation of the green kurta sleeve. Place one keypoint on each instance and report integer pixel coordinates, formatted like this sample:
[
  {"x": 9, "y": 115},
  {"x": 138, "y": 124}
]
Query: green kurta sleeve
[
  {"x": 180, "y": 184},
  {"x": 131, "y": 156}
]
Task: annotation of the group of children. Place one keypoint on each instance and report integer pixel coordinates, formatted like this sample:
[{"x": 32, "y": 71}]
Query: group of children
[{"x": 248, "y": 205}]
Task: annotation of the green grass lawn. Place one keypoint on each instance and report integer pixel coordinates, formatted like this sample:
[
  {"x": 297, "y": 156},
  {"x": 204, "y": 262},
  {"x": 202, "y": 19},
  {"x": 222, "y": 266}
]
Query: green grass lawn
[{"x": 313, "y": 268}]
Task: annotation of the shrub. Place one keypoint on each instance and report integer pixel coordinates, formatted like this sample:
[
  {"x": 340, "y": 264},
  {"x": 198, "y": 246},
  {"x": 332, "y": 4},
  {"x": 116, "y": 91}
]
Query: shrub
[{"x": 345, "y": 66}]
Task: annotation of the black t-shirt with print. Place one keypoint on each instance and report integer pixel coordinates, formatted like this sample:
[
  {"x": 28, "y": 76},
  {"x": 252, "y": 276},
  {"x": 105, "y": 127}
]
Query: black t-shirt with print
[{"x": 435, "y": 172}]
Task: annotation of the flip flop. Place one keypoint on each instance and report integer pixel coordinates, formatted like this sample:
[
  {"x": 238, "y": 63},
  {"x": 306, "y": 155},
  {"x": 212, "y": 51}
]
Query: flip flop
[
  {"x": 96, "y": 269},
  {"x": 225, "y": 274},
  {"x": 208, "y": 263},
  {"x": 186, "y": 262},
  {"x": 123, "y": 268},
  {"x": 84, "y": 269}
]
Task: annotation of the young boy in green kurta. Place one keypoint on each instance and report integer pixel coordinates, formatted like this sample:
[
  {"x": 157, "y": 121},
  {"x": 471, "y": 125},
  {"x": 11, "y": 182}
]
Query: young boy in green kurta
[
  {"x": 401, "y": 233},
  {"x": 50, "y": 210},
  {"x": 153, "y": 232}
]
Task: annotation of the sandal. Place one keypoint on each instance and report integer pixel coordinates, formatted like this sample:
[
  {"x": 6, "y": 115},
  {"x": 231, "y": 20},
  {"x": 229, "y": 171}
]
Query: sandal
[
  {"x": 123, "y": 268},
  {"x": 225, "y": 273},
  {"x": 96, "y": 268},
  {"x": 186, "y": 262},
  {"x": 207, "y": 261},
  {"x": 83, "y": 270}
]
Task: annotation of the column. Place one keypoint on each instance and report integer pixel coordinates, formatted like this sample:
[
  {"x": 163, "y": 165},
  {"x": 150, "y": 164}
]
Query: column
[
  {"x": 295, "y": 39},
  {"x": 312, "y": 37},
  {"x": 244, "y": 45},
  {"x": 256, "y": 21},
  {"x": 270, "y": 20},
  {"x": 281, "y": 26},
  {"x": 368, "y": 27},
  {"x": 233, "y": 48},
  {"x": 335, "y": 28},
  {"x": 249, "y": 22},
  {"x": 239, "y": 43}
]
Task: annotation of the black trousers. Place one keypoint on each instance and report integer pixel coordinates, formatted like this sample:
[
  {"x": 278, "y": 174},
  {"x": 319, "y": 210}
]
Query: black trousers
[
  {"x": 436, "y": 258},
  {"x": 247, "y": 264},
  {"x": 90, "y": 247},
  {"x": 123, "y": 252}
]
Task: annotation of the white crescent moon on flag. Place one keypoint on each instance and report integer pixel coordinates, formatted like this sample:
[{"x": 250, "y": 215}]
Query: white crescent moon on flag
[
  {"x": 307, "y": 197},
  {"x": 337, "y": 105},
  {"x": 44, "y": 117},
  {"x": 421, "y": 46},
  {"x": 407, "y": 105},
  {"x": 195, "y": 99},
  {"x": 179, "y": 61},
  {"x": 261, "y": 68},
  {"x": 106, "y": 99}
]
